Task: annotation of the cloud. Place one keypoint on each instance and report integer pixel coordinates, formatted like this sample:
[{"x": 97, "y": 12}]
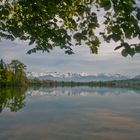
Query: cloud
[{"x": 107, "y": 61}]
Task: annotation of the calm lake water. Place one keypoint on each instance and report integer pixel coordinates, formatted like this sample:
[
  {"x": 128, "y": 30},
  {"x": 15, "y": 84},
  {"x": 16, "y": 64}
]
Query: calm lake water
[{"x": 65, "y": 113}]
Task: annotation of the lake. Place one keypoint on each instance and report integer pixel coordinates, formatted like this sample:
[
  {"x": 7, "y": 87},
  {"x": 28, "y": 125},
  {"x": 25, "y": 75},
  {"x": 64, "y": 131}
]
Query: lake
[{"x": 70, "y": 113}]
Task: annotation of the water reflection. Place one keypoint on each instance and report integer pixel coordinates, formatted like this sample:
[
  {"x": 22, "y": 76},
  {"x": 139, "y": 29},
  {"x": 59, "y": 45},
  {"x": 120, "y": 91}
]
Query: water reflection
[
  {"x": 78, "y": 91},
  {"x": 12, "y": 98},
  {"x": 63, "y": 113}
]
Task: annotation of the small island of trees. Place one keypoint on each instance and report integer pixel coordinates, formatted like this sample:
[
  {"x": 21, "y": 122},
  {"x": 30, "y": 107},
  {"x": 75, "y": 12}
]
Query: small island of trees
[{"x": 12, "y": 74}]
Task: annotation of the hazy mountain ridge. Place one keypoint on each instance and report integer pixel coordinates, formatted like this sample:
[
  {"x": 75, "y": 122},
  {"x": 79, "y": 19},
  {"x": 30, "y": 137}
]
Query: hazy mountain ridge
[
  {"x": 137, "y": 77},
  {"x": 76, "y": 77}
]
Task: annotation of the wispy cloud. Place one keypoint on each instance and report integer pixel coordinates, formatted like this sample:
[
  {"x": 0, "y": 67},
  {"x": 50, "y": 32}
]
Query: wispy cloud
[{"x": 107, "y": 61}]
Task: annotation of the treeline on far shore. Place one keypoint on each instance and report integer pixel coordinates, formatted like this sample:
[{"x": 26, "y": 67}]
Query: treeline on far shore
[{"x": 115, "y": 83}]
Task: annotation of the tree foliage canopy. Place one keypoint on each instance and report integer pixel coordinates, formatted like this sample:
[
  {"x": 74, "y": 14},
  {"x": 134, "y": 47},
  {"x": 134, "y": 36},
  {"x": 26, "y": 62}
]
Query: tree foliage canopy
[
  {"x": 67, "y": 23},
  {"x": 12, "y": 74}
]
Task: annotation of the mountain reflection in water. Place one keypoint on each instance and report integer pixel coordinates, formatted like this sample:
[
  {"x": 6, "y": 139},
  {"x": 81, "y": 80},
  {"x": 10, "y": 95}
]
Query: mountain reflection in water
[
  {"x": 78, "y": 91},
  {"x": 77, "y": 113},
  {"x": 14, "y": 98}
]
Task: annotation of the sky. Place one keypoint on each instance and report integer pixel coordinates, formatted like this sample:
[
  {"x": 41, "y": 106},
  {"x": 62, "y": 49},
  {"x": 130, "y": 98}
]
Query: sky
[{"x": 106, "y": 61}]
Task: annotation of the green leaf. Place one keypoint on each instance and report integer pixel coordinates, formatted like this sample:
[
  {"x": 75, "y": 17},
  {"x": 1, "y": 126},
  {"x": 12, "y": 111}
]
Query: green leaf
[
  {"x": 137, "y": 49},
  {"x": 138, "y": 14},
  {"x": 31, "y": 41},
  {"x": 106, "y": 4},
  {"x": 94, "y": 49},
  {"x": 118, "y": 47},
  {"x": 124, "y": 53},
  {"x": 131, "y": 52}
]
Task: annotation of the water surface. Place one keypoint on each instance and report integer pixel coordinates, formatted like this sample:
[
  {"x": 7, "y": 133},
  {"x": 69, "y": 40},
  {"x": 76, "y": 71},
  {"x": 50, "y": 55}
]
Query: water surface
[{"x": 65, "y": 113}]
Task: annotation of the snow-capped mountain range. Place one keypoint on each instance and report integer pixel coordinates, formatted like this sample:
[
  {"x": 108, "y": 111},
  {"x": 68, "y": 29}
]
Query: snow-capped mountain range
[{"x": 77, "y": 77}]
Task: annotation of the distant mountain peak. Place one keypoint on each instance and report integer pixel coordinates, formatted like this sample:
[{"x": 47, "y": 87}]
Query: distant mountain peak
[
  {"x": 137, "y": 77},
  {"x": 77, "y": 77}
]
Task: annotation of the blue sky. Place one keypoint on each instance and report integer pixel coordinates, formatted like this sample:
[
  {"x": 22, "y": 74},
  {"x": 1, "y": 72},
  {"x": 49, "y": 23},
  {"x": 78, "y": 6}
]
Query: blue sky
[{"x": 107, "y": 61}]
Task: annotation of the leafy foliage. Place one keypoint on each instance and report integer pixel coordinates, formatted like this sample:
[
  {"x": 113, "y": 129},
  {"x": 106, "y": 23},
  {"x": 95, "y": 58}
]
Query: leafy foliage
[
  {"x": 67, "y": 23},
  {"x": 12, "y": 74}
]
